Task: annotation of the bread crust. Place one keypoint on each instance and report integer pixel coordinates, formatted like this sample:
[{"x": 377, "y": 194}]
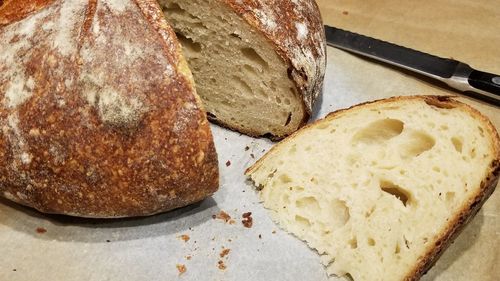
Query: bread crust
[
  {"x": 99, "y": 114},
  {"x": 295, "y": 29},
  {"x": 469, "y": 208}
]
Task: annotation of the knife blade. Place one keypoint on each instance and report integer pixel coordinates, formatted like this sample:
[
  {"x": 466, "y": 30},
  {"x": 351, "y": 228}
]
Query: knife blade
[{"x": 458, "y": 75}]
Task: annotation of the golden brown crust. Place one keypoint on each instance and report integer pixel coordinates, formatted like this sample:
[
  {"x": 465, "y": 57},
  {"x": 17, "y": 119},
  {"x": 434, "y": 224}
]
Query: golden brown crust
[
  {"x": 103, "y": 120},
  {"x": 296, "y": 30},
  {"x": 15, "y": 10},
  {"x": 468, "y": 210}
]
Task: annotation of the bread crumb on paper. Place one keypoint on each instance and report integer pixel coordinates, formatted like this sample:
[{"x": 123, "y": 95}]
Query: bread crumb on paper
[
  {"x": 184, "y": 237},
  {"x": 228, "y": 163},
  {"x": 221, "y": 265},
  {"x": 224, "y": 252},
  {"x": 224, "y": 216},
  {"x": 181, "y": 268},
  {"x": 41, "y": 230},
  {"x": 247, "y": 220}
]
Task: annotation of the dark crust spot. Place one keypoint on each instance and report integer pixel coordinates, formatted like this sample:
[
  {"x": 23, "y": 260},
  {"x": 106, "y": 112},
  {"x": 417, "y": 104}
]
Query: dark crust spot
[{"x": 445, "y": 102}]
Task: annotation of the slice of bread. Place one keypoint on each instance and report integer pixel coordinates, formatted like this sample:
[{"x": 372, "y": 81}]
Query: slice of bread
[
  {"x": 258, "y": 65},
  {"x": 380, "y": 189}
]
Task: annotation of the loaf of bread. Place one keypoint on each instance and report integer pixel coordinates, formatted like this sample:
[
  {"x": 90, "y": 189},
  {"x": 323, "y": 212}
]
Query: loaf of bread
[
  {"x": 98, "y": 110},
  {"x": 381, "y": 189},
  {"x": 258, "y": 65}
]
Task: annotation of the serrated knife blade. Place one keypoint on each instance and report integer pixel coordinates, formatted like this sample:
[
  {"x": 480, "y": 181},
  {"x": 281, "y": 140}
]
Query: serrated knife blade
[{"x": 458, "y": 75}]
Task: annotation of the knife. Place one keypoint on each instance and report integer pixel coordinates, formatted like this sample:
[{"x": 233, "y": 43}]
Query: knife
[{"x": 458, "y": 75}]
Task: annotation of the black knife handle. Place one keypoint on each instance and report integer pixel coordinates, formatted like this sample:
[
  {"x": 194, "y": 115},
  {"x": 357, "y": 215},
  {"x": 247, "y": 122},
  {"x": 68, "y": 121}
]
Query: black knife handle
[{"x": 485, "y": 81}]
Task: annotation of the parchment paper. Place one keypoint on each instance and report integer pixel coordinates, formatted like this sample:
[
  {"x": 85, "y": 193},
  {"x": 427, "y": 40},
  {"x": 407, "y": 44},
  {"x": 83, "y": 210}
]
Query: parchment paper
[{"x": 151, "y": 248}]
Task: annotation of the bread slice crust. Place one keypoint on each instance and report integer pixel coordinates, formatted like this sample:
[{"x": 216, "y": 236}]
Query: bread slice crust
[{"x": 469, "y": 208}]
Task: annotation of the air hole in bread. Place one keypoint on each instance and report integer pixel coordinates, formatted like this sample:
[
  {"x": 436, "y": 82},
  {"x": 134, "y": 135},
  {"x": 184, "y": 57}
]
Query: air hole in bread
[
  {"x": 450, "y": 196},
  {"x": 284, "y": 178},
  {"x": 371, "y": 242},
  {"x": 417, "y": 143},
  {"x": 395, "y": 190},
  {"x": 236, "y": 35},
  {"x": 481, "y": 131},
  {"x": 379, "y": 131},
  {"x": 253, "y": 56},
  {"x": 302, "y": 222},
  {"x": 398, "y": 249},
  {"x": 308, "y": 205},
  {"x": 473, "y": 153},
  {"x": 353, "y": 243},
  {"x": 288, "y": 119},
  {"x": 339, "y": 213},
  {"x": 189, "y": 45},
  {"x": 349, "y": 277},
  {"x": 249, "y": 69},
  {"x": 457, "y": 143}
]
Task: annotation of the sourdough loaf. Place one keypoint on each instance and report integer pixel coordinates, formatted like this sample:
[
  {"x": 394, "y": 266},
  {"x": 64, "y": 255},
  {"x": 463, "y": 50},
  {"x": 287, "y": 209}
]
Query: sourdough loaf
[
  {"x": 258, "y": 65},
  {"x": 381, "y": 189},
  {"x": 98, "y": 110}
]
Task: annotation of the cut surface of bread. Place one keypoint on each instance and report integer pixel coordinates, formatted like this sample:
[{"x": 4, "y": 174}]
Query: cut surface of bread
[
  {"x": 243, "y": 81},
  {"x": 380, "y": 189}
]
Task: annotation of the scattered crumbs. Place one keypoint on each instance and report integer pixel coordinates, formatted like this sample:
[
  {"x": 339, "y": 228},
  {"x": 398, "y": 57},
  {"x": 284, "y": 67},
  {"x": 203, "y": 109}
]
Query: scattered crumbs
[
  {"x": 188, "y": 258},
  {"x": 247, "y": 220},
  {"x": 345, "y": 13},
  {"x": 231, "y": 221},
  {"x": 228, "y": 163},
  {"x": 230, "y": 240},
  {"x": 225, "y": 138},
  {"x": 107, "y": 241},
  {"x": 260, "y": 236},
  {"x": 191, "y": 229},
  {"x": 221, "y": 265},
  {"x": 14, "y": 269},
  {"x": 263, "y": 150},
  {"x": 213, "y": 239},
  {"x": 223, "y": 216},
  {"x": 247, "y": 148},
  {"x": 224, "y": 252},
  {"x": 41, "y": 230},
  {"x": 251, "y": 155},
  {"x": 181, "y": 268},
  {"x": 185, "y": 238},
  {"x": 274, "y": 232}
]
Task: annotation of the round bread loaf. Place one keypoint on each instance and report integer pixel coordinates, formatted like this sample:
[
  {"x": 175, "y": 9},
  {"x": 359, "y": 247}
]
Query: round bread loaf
[{"x": 98, "y": 111}]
